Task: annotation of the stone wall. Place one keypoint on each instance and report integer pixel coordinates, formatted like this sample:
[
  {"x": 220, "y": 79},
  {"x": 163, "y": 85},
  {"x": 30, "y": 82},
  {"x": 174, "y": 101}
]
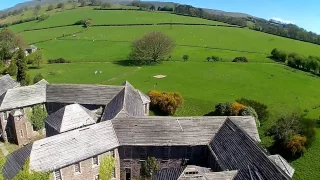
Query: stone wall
[{"x": 88, "y": 170}]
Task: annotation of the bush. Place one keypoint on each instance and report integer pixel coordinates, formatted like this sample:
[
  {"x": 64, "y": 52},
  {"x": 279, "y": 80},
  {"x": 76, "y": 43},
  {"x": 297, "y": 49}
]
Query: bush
[
  {"x": 279, "y": 55},
  {"x": 223, "y": 109},
  {"x": 148, "y": 167},
  {"x": 43, "y": 17},
  {"x": 185, "y": 58},
  {"x": 38, "y": 115},
  {"x": 216, "y": 58},
  {"x": 309, "y": 130},
  {"x": 59, "y": 60},
  {"x": 297, "y": 145},
  {"x": 37, "y": 78},
  {"x": 260, "y": 108},
  {"x": 249, "y": 111},
  {"x": 236, "y": 108},
  {"x": 240, "y": 59},
  {"x": 167, "y": 103},
  {"x": 208, "y": 59},
  {"x": 12, "y": 69},
  {"x": 107, "y": 165}
]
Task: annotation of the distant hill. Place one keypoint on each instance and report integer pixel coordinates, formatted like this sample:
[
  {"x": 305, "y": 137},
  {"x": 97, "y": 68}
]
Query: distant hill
[{"x": 33, "y": 3}]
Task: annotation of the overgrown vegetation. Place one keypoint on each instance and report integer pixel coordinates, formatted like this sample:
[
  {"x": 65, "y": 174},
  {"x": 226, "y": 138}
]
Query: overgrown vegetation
[
  {"x": 59, "y": 60},
  {"x": 240, "y": 59},
  {"x": 26, "y": 174},
  {"x": 260, "y": 108},
  {"x": 166, "y": 103},
  {"x": 38, "y": 115},
  {"x": 38, "y": 77},
  {"x": 151, "y": 48},
  {"x": 148, "y": 167},
  {"x": 107, "y": 165},
  {"x": 22, "y": 75}
]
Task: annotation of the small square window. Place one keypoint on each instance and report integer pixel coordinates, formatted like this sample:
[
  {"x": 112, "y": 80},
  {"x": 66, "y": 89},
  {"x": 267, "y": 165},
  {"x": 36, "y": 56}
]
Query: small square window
[
  {"x": 57, "y": 175},
  {"x": 77, "y": 168},
  {"x": 95, "y": 160}
]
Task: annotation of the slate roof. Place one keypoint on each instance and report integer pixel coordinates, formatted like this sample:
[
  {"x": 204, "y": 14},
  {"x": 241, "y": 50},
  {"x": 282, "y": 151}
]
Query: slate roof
[
  {"x": 283, "y": 164},
  {"x": 234, "y": 149},
  {"x": 82, "y": 94},
  {"x": 70, "y": 117},
  {"x": 23, "y": 97},
  {"x": 6, "y": 82},
  {"x": 15, "y": 162},
  {"x": 162, "y": 131},
  {"x": 42, "y": 82},
  {"x": 67, "y": 148},
  {"x": 128, "y": 103}
]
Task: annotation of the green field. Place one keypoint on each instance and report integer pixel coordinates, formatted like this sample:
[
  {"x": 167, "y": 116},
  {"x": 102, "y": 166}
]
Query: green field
[{"x": 202, "y": 84}]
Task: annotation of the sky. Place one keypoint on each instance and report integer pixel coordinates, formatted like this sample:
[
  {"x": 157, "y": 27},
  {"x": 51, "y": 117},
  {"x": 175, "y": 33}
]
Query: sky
[{"x": 305, "y": 14}]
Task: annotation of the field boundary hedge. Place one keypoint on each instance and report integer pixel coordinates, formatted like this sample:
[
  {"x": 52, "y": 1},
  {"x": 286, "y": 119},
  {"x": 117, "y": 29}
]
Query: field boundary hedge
[{"x": 142, "y": 24}]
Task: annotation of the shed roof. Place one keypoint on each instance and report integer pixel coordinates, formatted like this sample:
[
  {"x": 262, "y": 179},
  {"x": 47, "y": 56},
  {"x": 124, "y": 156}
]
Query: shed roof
[
  {"x": 42, "y": 82},
  {"x": 23, "y": 97},
  {"x": 82, "y": 94},
  {"x": 162, "y": 131},
  {"x": 252, "y": 163},
  {"x": 67, "y": 148},
  {"x": 70, "y": 117},
  {"x": 6, "y": 82}
]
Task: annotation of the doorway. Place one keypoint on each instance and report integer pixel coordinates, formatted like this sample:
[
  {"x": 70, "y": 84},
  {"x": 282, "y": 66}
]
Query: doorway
[{"x": 128, "y": 174}]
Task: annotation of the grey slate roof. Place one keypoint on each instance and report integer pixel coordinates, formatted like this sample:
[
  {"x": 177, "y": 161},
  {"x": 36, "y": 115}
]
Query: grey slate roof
[
  {"x": 161, "y": 131},
  {"x": 234, "y": 149},
  {"x": 127, "y": 103},
  {"x": 283, "y": 164},
  {"x": 15, "y": 162},
  {"x": 22, "y": 97},
  {"x": 70, "y": 117},
  {"x": 145, "y": 99},
  {"x": 6, "y": 82},
  {"x": 224, "y": 175},
  {"x": 67, "y": 148},
  {"x": 82, "y": 94},
  {"x": 167, "y": 174}
]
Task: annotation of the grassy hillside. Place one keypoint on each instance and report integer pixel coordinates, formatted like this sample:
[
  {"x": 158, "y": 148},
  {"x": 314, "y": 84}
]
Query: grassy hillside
[{"x": 201, "y": 83}]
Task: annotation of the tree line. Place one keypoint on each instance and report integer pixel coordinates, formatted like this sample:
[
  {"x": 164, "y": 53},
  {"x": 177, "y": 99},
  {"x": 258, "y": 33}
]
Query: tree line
[{"x": 294, "y": 60}]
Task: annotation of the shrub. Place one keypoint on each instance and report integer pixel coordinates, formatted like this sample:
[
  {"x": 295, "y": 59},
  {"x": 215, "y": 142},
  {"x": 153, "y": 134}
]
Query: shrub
[
  {"x": 236, "y": 108},
  {"x": 208, "y": 59},
  {"x": 223, "y": 109},
  {"x": 59, "y": 60},
  {"x": 309, "y": 130},
  {"x": 249, "y": 111},
  {"x": 279, "y": 55},
  {"x": 50, "y": 7},
  {"x": 37, "y": 78},
  {"x": 216, "y": 58},
  {"x": 167, "y": 103},
  {"x": 107, "y": 165},
  {"x": 38, "y": 115},
  {"x": 240, "y": 59},
  {"x": 185, "y": 57},
  {"x": 148, "y": 167},
  {"x": 297, "y": 145},
  {"x": 260, "y": 108},
  {"x": 43, "y": 17},
  {"x": 12, "y": 69},
  {"x": 26, "y": 174}
]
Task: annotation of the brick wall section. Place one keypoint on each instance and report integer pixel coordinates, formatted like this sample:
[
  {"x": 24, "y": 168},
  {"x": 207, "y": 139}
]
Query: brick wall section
[
  {"x": 88, "y": 170},
  {"x": 23, "y": 131},
  {"x": 177, "y": 157}
]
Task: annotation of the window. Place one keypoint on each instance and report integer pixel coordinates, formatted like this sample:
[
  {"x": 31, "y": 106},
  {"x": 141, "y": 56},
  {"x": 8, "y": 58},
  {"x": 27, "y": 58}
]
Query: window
[
  {"x": 143, "y": 153},
  {"x": 57, "y": 175},
  {"x": 188, "y": 152},
  {"x": 95, "y": 160},
  {"x": 96, "y": 177},
  {"x": 21, "y": 133},
  {"x": 127, "y": 152},
  {"x": 77, "y": 168},
  {"x": 166, "y": 153},
  {"x": 145, "y": 108}
]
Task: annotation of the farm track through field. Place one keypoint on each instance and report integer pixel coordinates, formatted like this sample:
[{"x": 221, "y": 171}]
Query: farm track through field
[{"x": 122, "y": 75}]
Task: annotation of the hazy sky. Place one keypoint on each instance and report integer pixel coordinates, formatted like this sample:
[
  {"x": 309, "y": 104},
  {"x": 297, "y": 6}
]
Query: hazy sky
[{"x": 304, "y": 13}]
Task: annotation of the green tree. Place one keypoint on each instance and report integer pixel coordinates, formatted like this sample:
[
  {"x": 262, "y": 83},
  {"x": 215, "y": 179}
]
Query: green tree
[
  {"x": 107, "y": 165},
  {"x": 74, "y": 5},
  {"x": 37, "y": 59},
  {"x": 61, "y": 6},
  {"x": 151, "y": 48},
  {"x": 105, "y": 6},
  {"x": 38, "y": 115},
  {"x": 12, "y": 69},
  {"x": 185, "y": 58},
  {"x": 25, "y": 173},
  {"x": 148, "y": 167},
  {"x": 22, "y": 68},
  {"x": 208, "y": 59},
  {"x": 36, "y": 10},
  {"x": 88, "y": 23},
  {"x": 38, "y": 77},
  {"x": 50, "y": 7},
  {"x": 82, "y": 3}
]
